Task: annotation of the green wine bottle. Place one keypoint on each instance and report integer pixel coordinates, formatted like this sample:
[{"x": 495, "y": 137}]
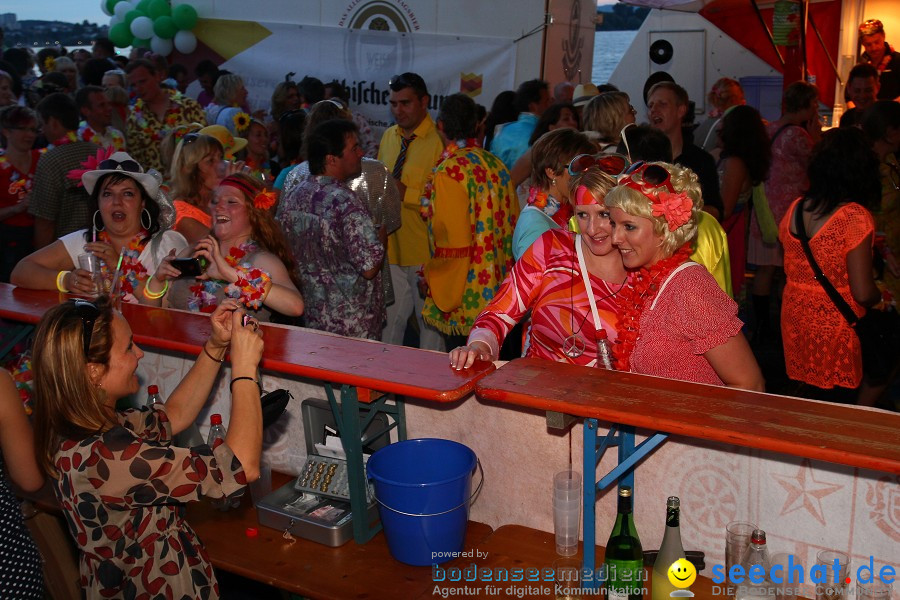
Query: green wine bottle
[{"x": 624, "y": 556}]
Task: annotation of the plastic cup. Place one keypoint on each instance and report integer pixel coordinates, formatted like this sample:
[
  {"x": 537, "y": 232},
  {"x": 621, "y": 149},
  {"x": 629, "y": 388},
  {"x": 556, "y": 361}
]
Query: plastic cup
[
  {"x": 786, "y": 590},
  {"x": 832, "y": 590},
  {"x": 262, "y": 487},
  {"x": 737, "y": 542},
  {"x": 875, "y": 589},
  {"x": 567, "y": 578},
  {"x": 91, "y": 264},
  {"x": 567, "y": 511}
]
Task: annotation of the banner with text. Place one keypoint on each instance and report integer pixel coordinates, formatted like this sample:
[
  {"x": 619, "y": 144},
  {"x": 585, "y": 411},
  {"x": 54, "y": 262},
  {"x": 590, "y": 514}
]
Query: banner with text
[{"x": 365, "y": 61}]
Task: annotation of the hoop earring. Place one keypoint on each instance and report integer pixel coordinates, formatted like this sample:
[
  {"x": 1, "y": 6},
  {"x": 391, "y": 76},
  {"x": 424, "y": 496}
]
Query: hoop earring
[
  {"x": 144, "y": 211},
  {"x": 94, "y": 221}
]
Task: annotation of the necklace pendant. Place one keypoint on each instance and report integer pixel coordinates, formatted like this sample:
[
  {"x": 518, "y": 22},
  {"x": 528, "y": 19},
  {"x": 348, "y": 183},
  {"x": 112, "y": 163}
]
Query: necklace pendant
[{"x": 573, "y": 346}]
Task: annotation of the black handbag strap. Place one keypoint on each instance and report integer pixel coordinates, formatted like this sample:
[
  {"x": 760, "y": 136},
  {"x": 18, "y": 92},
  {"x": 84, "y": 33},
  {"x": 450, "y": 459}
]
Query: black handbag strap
[{"x": 835, "y": 296}]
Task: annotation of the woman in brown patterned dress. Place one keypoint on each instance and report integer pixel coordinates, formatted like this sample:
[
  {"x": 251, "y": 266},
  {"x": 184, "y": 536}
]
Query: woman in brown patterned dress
[{"x": 121, "y": 483}]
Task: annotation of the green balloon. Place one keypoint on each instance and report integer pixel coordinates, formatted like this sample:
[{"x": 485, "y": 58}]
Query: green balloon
[
  {"x": 131, "y": 15},
  {"x": 185, "y": 17},
  {"x": 137, "y": 43},
  {"x": 165, "y": 28},
  {"x": 144, "y": 6},
  {"x": 159, "y": 8},
  {"x": 120, "y": 35}
]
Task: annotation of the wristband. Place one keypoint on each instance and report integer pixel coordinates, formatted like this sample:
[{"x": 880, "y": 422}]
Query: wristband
[
  {"x": 154, "y": 295},
  {"x": 236, "y": 379},
  {"x": 60, "y": 277},
  {"x": 218, "y": 360}
]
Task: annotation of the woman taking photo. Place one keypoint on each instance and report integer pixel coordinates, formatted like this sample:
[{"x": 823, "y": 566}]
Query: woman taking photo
[
  {"x": 18, "y": 131},
  {"x": 246, "y": 254},
  {"x": 570, "y": 282},
  {"x": 675, "y": 321},
  {"x": 548, "y": 196},
  {"x": 120, "y": 482},
  {"x": 821, "y": 350},
  {"x": 126, "y": 224}
]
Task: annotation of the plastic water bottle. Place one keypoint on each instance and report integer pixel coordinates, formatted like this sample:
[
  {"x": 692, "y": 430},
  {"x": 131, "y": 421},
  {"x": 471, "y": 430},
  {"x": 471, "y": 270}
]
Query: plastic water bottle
[
  {"x": 216, "y": 431},
  {"x": 153, "y": 395},
  {"x": 758, "y": 555}
]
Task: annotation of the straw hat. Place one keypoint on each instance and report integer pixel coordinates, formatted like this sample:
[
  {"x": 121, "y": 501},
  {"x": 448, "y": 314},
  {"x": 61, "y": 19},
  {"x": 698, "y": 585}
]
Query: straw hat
[
  {"x": 122, "y": 163},
  {"x": 583, "y": 93},
  {"x": 230, "y": 143}
]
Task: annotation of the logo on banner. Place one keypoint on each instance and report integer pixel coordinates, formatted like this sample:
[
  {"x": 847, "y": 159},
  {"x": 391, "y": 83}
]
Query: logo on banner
[
  {"x": 378, "y": 15},
  {"x": 470, "y": 84},
  {"x": 573, "y": 45}
]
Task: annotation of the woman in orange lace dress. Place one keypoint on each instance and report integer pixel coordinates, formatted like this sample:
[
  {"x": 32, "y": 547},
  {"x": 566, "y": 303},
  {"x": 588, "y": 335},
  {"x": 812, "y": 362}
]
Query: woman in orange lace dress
[{"x": 821, "y": 351}]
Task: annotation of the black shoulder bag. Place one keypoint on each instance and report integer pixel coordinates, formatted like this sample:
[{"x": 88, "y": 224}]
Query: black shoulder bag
[{"x": 878, "y": 330}]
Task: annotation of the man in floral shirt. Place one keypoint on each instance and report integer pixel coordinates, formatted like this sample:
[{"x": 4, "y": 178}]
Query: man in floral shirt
[
  {"x": 333, "y": 239},
  {"x": 156, "y": 112},
  {"x": 472, "y": 209}
]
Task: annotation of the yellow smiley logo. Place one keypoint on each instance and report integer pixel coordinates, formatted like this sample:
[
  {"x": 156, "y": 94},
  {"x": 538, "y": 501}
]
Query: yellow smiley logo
[{"x": 682, "y": 573}]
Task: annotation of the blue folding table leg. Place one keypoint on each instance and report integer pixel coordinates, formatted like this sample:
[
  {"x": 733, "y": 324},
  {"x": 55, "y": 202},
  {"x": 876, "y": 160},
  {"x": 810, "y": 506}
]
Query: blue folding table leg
[{"x": 593, "y": 450}]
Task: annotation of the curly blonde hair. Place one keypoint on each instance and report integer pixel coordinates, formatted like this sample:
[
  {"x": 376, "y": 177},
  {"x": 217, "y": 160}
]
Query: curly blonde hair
[{"x": 637, "y": 204}]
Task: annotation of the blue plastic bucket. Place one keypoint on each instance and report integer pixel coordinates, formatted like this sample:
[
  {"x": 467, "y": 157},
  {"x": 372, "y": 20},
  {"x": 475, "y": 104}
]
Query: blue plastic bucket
[{"x": 423, "y": 488}]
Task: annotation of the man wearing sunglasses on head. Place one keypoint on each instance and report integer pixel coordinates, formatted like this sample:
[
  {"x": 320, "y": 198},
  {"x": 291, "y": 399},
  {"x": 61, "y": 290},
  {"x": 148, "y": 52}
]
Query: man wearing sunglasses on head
[{"x": 882, "y": 56}]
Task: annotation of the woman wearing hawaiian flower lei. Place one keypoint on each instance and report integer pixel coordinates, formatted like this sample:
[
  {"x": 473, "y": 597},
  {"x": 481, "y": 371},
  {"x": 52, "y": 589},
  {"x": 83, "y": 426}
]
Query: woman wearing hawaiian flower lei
[
  {"x": 675, "y": 321},
  {"x": 570, "y": 319},
  {"x": 246, "y": 254},
  {"x": 127, "y": 233}
]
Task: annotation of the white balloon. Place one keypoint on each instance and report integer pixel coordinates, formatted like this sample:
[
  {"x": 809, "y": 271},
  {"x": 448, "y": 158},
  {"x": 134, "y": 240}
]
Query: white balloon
[
  {"x": 142, "y": 27},
  {"x": 104, "y": 9},
  {"x": 121, "y": 9},
  {"x": 115, "y": 21},
  {"x": 161, "y": 46},
  {"x": 185, "y": 41}
]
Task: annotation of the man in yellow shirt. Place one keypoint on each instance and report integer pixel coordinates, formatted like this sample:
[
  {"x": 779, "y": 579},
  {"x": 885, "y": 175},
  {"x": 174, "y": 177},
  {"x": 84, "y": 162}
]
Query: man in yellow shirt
[{"x": 410, "y": 150}]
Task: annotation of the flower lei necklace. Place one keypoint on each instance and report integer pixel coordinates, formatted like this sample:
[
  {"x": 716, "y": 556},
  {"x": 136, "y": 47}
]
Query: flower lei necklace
[
  {"x": 644, "y": 286},
  {"x": 132, "y": 272},
  {"x": 66, "y": 139},
  {"x": 426, "y": 210},
  {"x": 19, "y": 183},
  {"x": 553, "y": 208},
  {"x": 170, "y": 120},
  {"x": 249, "y": 288}
]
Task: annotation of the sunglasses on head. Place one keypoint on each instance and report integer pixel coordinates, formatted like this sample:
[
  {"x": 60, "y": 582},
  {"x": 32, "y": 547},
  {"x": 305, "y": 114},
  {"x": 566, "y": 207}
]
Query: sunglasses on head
[
  {"x": 646, "y": 177},
  {"x": 611, "y": 164},
  {"x": 88, "y": 313},
  {"x": 111, "y": 164},
  {"x": 288, "y": 114}
]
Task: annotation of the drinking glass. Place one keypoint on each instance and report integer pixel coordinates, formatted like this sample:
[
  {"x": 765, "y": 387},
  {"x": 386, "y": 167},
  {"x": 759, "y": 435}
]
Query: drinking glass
[
  {"x": 737, "y": 542},
  {"x": 91, "y": 264},
  {"x": 831, "y": 589}
]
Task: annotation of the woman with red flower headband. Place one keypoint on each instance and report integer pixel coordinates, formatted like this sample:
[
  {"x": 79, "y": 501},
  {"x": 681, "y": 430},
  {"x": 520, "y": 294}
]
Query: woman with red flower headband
[
  {"x": 675, "y": 320},
  {"x": 246, "y": 255},
  {"x": 571, "y": 283}
]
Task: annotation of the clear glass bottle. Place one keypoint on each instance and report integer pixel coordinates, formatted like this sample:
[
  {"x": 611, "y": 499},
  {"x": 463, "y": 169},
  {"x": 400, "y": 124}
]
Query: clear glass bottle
[
  {"x": 216, "y": 431},
  {"x": 758, "y": 560},
  {"x": 153, "y": 395},
  {"x": 670, "y": 551},
  {"x": 624, "y": 559},
  {"x": 604, "y": 353}
]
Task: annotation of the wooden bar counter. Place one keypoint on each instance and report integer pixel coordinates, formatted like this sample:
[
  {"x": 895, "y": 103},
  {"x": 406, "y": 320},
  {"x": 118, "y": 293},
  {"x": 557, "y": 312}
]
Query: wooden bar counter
[{"x": 307, "y": 568}]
